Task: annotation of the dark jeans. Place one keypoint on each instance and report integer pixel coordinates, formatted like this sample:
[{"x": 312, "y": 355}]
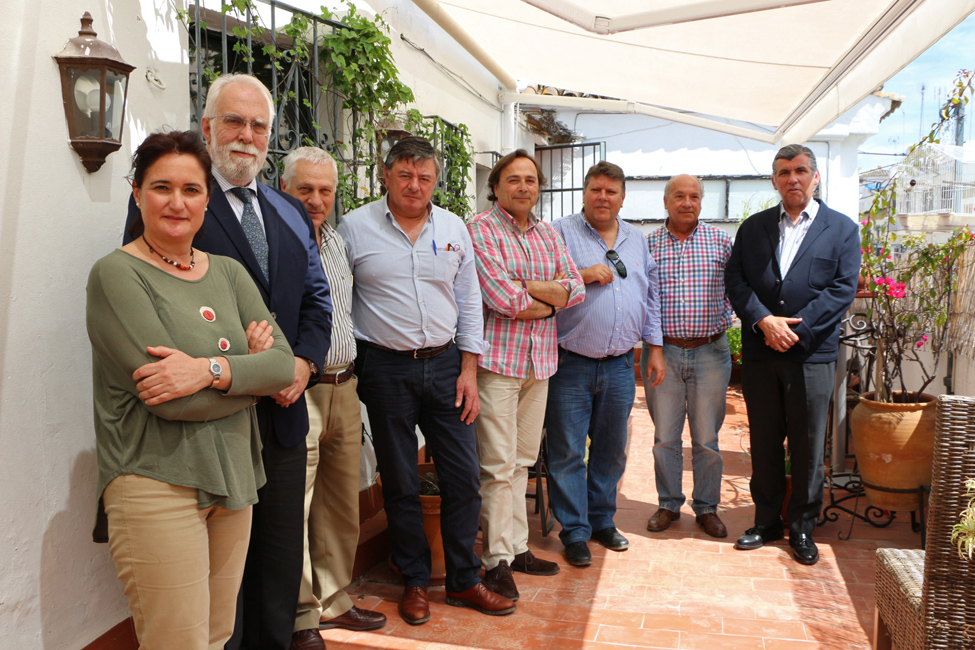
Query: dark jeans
[
  {"x": 787, "y": 400},
  {"x": 268, "y": 595},
  {"x": 400, "y": 393}
]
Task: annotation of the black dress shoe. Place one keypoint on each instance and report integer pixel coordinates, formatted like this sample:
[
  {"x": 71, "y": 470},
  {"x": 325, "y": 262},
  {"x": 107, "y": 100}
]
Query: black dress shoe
[
  {"x": 577, "y": 554},
  {"x": 307, "y": 640},
  {"x": 758, "y": 536},
  {"x": 611, "y": 539},
  {"x": 804, "y": 549},
  {"x": 357, "y": 620}
]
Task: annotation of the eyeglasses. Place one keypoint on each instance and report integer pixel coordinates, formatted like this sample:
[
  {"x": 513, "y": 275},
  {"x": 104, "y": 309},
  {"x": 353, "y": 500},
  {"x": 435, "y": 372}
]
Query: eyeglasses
[
  {"x": 238, "y": 123},
  {"x": 613, "y": 257}
]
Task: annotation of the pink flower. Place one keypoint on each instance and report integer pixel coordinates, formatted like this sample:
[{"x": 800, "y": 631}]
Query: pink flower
[
  {"x": 880, "y": 281},
  {"x": 863, "y": 223},
  {"x": 888, "y": 257},
  {"x": 895, "y": 289},
  {"x": 924, "y": 337},
  {"x": 919, "y": 344}
]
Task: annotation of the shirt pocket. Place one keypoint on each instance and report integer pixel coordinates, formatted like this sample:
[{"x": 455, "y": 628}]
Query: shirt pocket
[
  {"x": 445, "y": 265},
  {"x": 822, "y": 270}
]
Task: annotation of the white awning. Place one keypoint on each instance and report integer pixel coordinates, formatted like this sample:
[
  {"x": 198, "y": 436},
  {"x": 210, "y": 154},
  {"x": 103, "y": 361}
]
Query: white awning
[{"x": 777, "y": 71}]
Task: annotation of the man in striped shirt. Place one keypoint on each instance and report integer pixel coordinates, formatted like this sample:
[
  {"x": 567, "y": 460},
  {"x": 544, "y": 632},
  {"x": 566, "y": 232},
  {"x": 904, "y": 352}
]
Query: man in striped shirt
[
  {"x": 335, "y": 428},
  {"x": 691, "y": 256},
  {"x": 526, "y": 276},
  {"x": 592, "y": 393}
]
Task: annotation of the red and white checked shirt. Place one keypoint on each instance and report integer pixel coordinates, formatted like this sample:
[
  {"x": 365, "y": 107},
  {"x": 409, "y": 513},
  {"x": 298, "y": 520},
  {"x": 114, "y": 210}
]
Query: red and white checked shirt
[{"x": 504, "y": 256}]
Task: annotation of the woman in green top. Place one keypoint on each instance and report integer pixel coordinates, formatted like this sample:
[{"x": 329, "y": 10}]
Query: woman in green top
[{"x": 181, "y": 347}]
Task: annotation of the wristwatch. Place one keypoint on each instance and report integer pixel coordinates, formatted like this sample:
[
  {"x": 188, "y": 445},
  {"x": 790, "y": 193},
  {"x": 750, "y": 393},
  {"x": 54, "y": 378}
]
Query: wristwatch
[
  {"x": 216, "y": 369},
  {"x": 313, "y": 369}
]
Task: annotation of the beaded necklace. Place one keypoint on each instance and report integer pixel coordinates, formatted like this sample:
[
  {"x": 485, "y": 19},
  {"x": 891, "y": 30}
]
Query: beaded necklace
[{"x": 181, "y": 267}]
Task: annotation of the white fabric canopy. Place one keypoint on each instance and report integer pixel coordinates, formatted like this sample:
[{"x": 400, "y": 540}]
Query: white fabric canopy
[{"x": 777, "y": 74}]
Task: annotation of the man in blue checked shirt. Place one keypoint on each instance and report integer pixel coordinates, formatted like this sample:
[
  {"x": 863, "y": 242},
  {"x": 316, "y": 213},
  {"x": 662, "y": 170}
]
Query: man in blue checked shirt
[
  {"x": 695, "y": 313},
  {"x": 592, "y": 392}
]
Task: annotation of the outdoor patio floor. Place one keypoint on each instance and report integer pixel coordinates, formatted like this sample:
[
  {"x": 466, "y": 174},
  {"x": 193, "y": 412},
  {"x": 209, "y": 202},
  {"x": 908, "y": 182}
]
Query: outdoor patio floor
[{"x": 676, "y": 589}]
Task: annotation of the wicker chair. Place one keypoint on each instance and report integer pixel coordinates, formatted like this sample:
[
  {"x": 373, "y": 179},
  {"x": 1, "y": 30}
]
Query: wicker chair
[{"x": 926, "y": 599}]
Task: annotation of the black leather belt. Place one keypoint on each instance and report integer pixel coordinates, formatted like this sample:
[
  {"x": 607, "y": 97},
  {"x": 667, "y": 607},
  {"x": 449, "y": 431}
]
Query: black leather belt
[
  {"x": 612, "y": 356},
  {"x": 420, "y": 353},
  {"x": 338, "y": 378},
  {"x": 693, "y": 343}
]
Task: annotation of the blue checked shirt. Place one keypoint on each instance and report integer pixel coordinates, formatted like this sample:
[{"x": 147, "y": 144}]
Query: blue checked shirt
[
  {"x": 692, "y": 295},
  {"x": 614, "y": 317}
]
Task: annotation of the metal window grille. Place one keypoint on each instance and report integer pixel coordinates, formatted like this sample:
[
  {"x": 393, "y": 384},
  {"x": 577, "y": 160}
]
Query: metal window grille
[{"x": 565, "y": 167}]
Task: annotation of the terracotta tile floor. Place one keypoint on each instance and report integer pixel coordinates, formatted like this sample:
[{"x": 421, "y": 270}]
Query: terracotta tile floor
[{"x": 676, "y": 589}]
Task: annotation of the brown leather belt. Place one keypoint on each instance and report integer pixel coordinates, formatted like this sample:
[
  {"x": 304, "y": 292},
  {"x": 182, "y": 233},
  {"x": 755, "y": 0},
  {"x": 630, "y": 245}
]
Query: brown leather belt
[
  {"x": 338, "y": 378},
  {"x": 421, "y": 353},
  {"x": 688, "y": 344}
]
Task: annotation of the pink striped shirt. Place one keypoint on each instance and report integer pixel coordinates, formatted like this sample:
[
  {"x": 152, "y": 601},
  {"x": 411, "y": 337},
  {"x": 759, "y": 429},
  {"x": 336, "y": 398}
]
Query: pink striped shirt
[{"x": 504, "y": 256}]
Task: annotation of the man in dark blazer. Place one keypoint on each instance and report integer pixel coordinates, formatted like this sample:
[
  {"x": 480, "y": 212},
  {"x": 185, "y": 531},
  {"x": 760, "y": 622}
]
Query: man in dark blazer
[
  {"x": 271, "y": 234},
  {"x": 791, "y": 278}
]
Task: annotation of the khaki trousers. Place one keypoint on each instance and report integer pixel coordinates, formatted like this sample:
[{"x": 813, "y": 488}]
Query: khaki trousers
[
  {"x": 509, "y": 434},
  {"x": 180, "y": 565},
  {"x": 331, "y": 501}
]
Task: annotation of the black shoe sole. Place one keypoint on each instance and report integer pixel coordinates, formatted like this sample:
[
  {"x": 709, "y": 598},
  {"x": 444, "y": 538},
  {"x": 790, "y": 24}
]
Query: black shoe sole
[
  {"x": 804, "y": 560},
  {"x": 362, "y": 628},
  {"x": 457, "y": 602},
  {"x": 414, "y": 621}
]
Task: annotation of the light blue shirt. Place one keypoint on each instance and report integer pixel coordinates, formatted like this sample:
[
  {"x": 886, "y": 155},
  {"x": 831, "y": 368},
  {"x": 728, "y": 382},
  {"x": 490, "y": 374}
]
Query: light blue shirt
[
  {"x": 407, "y": 296},
  {"x": 614, "y": 317},
  {"x": 791, "y": 235}
]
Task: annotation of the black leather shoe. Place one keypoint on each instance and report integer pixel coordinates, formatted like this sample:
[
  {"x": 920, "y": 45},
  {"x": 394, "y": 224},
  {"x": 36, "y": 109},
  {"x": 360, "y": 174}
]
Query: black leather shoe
[
  {"x": 611, "y": 539},
  {"x": 500, "y": 581},
  {"x": 804, "y": 549},
  {"x": 577, "y": 554},
  {"x": 357, "y": 620},
  {"x": 758, "y": 536}
]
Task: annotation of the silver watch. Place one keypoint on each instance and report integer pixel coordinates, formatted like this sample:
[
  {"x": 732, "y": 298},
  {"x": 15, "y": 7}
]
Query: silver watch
[{"x": 216, "y": 369}]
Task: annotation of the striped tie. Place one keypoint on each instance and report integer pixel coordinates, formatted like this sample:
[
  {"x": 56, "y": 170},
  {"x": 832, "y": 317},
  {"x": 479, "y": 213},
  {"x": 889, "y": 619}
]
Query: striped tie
[{"x": 253, "y": 228}]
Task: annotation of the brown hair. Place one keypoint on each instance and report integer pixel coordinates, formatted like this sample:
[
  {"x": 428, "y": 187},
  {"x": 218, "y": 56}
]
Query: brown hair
[
  {"x": 495, "y": 176},
  {"x": 157, "y": 145},
  {"x": 607, "y": 169}
]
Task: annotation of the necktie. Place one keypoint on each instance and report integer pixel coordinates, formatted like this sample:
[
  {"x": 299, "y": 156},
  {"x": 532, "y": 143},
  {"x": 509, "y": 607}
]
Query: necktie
[{"x": 253, "y": 228}]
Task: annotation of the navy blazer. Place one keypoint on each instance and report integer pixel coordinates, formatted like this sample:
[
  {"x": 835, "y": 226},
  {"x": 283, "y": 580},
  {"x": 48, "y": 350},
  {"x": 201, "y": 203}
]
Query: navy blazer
[
  {"x": 819, "y": 287},
  {"x": 297, "y": 294}
]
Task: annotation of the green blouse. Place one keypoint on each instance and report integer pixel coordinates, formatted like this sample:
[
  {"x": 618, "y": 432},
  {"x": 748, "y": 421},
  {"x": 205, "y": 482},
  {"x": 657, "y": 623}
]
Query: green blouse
[{"x": 208, "y": 440}]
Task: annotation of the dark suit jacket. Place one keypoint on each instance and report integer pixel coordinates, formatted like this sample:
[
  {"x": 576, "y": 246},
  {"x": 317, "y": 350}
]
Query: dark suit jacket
[
  {"x": 297, "y": 294},
  {"x": 818, "y": 288}
]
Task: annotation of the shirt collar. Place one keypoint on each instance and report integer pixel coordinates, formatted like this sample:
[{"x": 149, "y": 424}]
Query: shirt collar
[
  {"x": 389, "y": 214},
  {"x": 811, "y": 210},
  {"x": 674, "y": 237},
  {"x": 532, "y": 219}
]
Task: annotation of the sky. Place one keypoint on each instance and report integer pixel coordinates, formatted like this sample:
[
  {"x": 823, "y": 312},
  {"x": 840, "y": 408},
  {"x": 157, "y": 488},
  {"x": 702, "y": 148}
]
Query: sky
[{"x": 935, "y": 69}]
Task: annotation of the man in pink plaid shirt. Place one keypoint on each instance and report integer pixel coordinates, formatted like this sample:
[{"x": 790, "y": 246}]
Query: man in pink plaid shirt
[{"x": 526, "y": 276}]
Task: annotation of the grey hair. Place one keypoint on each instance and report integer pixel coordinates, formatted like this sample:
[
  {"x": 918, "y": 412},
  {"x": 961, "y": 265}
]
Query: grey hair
[
  {"x": 314, "y": 155},
  {"x": 670, "y": 182},
  {"x": 414, "y": 149},
  {"x": 213, "y": 94},
  {"x": 793, "y": 151}
]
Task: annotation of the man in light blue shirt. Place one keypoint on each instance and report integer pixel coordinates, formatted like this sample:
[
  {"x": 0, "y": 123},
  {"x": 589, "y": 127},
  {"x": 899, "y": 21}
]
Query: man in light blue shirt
[
  {"x": 414, "y": 285},
  {"x": 592, "y": 392}
]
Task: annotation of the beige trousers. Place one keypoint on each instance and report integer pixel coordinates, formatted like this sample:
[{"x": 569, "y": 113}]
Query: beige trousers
[
  {"x": 331, "y": 502},
  {"x": 509, "y": 433},
  {"x": 180, "y": 565}
]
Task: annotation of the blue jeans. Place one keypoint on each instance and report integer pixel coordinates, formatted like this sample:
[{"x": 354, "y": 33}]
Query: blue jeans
[
  {"x": 695, "y": 388},
  {"x": 591, "y": 398}
]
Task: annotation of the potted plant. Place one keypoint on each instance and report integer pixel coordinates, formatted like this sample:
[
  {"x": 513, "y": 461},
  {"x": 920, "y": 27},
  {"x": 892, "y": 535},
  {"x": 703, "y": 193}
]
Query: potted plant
[
  {"x": 430, "y": 506},
  {"x": 910, "y": 281},
  {"x": 963, "y": 533},
  {"x": 734, "y": 348}
]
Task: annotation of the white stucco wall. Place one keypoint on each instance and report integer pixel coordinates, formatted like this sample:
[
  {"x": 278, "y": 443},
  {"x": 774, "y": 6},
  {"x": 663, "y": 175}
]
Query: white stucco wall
[{"x": 59, "y": 589}]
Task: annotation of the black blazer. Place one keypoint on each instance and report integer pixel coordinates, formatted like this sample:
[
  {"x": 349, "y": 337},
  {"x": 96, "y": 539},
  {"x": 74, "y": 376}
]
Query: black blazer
[
  {"x": 818, "y": 288},
  {"x": 297, "y": 293}
]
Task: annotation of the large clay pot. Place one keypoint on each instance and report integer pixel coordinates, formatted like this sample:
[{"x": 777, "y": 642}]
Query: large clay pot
[
  {"x": 894, "y": 445},
  {"x": 430, "y": 506}
]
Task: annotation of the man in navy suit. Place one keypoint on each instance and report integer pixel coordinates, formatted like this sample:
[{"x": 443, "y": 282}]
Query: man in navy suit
[
  {"x": 271, "y": 234},
  {"x": 791, "y": 278}
]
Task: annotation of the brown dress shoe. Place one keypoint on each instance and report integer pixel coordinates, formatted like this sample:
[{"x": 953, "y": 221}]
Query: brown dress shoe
[
  {"x": 357, "y": 620},
  {"x": 415, "y": 608},
  {"x": 711, "y": 524},
  {"x": 483, "y": 600},
  {"x": 500, "y": 581},
  {"x": 307, "y": 640},
  {"x": 533, "y": 566},
  {"x": 661, "y": 520}
]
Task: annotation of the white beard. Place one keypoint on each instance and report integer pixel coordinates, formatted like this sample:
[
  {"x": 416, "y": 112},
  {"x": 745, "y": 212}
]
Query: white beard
[{"x": 237, "y": 170}]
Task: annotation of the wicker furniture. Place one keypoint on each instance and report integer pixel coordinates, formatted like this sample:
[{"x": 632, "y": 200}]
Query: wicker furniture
[{"x": 926, "y": 599}]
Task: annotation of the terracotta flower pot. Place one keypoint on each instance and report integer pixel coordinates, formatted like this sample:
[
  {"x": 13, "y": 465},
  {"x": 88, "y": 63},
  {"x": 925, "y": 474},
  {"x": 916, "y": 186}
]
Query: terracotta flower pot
[{"x": 894, "y": 444}]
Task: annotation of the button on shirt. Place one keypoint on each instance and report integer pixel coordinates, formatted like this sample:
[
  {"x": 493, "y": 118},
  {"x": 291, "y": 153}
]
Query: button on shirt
[
  {"x": 615, "y": 317},
  {"x": 336, "y": 267},
  {"x": 505, "y": 256},
  {"x": 791, "y": 235},
  {"x": 407, "y": 296},
  {"x": 692, "y": 293}
]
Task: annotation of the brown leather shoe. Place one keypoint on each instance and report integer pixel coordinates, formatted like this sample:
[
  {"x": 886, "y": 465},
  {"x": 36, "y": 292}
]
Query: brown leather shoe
[
  {"x": 533, "y": 566},
  {"x": 307, "y": 640},
  {"x": 500, "y": 581},
  {"x": 357, "y": 620},
  {"x": 661, "y": 520},
  {"x": 711, "y": 524},
  {"x": 483, "y": 600},
  {"x": 415, "y": 608}
]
